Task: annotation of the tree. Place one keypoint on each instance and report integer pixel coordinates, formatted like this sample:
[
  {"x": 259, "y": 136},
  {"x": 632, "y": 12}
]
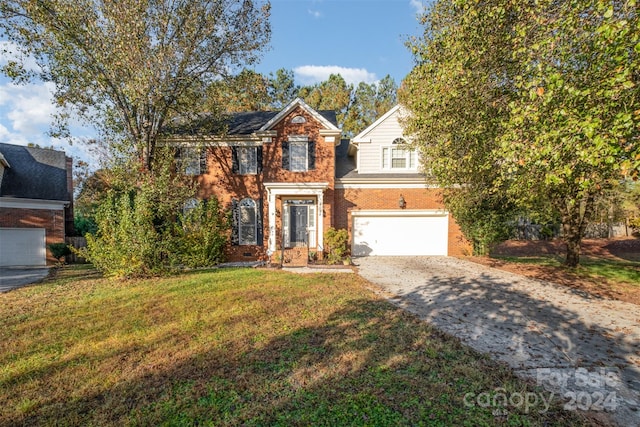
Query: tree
[
  {"x": 129, "y": 65},
  {"x": 369, "y": 102},
  {"x": 246, "y": 91},
  {"x": 538, "y": 102},
  {"x": 282, "y": 88},
  {"x": 575, "y": 125},
  {"x": 331, "y": 94},
  {"x": 458, "y": 95}
]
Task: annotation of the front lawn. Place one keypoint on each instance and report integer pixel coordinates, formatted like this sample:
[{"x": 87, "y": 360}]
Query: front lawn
[{"x": 238, "y": 347}]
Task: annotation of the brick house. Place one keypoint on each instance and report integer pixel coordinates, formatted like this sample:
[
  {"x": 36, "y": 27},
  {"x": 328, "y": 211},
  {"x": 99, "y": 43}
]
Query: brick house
[
  {"x": 36, "y": 203},
  {"x": 287, "y": 177}
]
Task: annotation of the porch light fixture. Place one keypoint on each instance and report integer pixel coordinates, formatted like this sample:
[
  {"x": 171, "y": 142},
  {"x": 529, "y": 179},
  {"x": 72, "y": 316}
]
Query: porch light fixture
[{"x": 401, "y": 202}]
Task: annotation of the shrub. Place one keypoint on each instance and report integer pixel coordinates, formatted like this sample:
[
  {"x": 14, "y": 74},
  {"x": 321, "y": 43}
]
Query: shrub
[
  {"x": 59, "y": 250},
  {"x": 336, "y": 242},
  {"x": 201, "y": 235}
]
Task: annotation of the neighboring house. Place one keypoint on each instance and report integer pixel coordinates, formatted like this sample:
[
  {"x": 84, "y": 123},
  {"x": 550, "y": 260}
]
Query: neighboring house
[
  {"x": 36, "y": 203},
  {"x": 384, "y": 199},
  {"x": 288, "y": 177}
]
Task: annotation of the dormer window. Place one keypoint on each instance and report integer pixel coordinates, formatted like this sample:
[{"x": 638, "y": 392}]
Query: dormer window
[{"x": 399, "y": 156}]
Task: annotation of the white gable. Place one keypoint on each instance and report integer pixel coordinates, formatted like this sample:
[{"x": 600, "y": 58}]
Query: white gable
[
  {"x": 290, "y": 107},
  {"x": 375, "y": 146}
]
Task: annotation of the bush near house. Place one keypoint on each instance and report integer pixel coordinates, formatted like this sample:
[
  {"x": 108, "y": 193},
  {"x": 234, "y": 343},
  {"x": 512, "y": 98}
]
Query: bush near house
[{"x": 336, "y": 243}]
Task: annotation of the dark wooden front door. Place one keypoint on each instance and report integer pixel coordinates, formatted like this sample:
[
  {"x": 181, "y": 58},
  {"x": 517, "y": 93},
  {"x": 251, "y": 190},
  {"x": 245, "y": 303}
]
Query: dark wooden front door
[{"x": 298, "y": 220}]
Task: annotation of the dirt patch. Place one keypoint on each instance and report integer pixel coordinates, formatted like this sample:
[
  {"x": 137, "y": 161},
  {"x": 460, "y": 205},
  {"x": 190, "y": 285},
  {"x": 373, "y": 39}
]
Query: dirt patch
[{"x": 627, "y": 249}]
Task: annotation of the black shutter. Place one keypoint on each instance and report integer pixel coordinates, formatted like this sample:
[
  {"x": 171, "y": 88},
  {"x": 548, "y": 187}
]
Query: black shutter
[
  {"x": 235, "y": 223},
  {"x": 235, "y": 168},
  {"x": 259, "y": 159},
  {"x": 311, "y": 155},
  {"x": 204, "y": 167},
  {"x": 285, "y": 155},
  {"x": 259, "y": 223}
]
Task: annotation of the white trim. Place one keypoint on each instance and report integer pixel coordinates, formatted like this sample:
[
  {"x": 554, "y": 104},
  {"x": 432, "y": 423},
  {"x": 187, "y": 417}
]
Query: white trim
[
  {"x": 290, "y": 107},
  {"x": 361, "y": 136},
  {"x": 384, "y": 183},
  {"x": 294, "y": 188},
  {"x": 400, "y": 212},
  {"x": 291, "y": 189},
  {"x": 17, "y": 203},
  {"x": 4, "y": 162}
]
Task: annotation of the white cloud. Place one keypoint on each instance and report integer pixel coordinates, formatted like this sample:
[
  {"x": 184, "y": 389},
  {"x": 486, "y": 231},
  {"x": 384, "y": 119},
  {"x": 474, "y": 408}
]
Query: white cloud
[
  {"x": 27, "y": 107},
  {"x": 310, "y": 74},
  {"x": 315, "y": 13},
  {"x": 417, "y": 5},
  {"x": 10, "y": 51}
]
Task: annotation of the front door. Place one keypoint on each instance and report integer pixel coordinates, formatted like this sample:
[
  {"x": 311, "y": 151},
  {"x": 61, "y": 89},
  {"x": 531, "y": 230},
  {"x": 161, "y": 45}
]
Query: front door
[{"x": 299, "y": 221}]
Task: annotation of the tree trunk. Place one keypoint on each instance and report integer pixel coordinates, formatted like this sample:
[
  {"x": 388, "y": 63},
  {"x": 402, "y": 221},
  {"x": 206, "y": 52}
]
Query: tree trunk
[
  {"x": 573, "y": 251},
  {"x": 574, "y": 221}
]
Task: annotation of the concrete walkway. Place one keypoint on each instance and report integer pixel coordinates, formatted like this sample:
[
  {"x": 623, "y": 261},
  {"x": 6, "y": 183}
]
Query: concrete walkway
[
  {"x": 15, "y": 277},
  {"x": 577, "y": 346}
]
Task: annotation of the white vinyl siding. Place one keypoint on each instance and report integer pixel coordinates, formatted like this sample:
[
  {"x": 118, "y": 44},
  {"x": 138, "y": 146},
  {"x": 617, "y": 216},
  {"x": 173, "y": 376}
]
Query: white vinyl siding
[{"x": 370, "y": 154}]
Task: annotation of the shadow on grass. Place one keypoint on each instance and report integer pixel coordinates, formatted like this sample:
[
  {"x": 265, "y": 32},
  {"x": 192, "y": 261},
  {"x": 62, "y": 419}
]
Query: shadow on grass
[
  {"x": 526, "y": 328},
  {"x": 368, "y": 364}
]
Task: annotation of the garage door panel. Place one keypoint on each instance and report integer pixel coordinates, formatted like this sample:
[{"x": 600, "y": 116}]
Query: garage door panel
[
  {"x": 400, "y": 235},
  {"x": 22, "y": 247}
]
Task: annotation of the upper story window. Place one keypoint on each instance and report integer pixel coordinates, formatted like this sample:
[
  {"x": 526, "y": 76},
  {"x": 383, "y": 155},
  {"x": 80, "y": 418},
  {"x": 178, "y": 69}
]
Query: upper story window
[
  {"x": 192, "y": 160},
  {"x": 298, "y": 154},
  {"x": 247, "y": 160},
  {"x": 399, "y": 156}
]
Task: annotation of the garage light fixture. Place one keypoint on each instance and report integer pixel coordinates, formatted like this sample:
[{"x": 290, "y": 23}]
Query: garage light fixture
[{"x": 401, "y": 202}]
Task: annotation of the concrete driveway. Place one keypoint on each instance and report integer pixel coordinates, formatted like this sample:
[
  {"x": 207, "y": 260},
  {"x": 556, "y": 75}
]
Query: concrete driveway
[
  {"x": 15, "y": 277},
  {"x": 584, "y": 349}
]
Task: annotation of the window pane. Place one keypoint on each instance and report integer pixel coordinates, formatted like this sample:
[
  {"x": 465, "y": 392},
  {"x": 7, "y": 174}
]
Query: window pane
[
  {"x": 385, "y": 158},
  {"x": 298, "y": 157},
  {"x": 248, "y": 160},
  {"x": 398, "y": 158},
  {"x": 190, "y": 161},
  {"x": 247, "y": 224}
]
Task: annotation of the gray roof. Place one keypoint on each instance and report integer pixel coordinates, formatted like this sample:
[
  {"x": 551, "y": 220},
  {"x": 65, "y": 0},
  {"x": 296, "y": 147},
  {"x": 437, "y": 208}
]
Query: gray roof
[
  {"x": 34, "y": 173},
  {"x": 244, "y": 123}
]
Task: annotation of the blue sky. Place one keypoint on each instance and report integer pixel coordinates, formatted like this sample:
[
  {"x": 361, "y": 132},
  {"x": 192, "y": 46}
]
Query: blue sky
[{"x": 363, "y": 40}]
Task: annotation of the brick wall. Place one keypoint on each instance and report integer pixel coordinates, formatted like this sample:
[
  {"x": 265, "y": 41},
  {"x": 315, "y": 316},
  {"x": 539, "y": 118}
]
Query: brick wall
[
  {"x": 350, "y": 199},
  {"x": 51, "y": 220},
  {"x": 225, "y": 185}
]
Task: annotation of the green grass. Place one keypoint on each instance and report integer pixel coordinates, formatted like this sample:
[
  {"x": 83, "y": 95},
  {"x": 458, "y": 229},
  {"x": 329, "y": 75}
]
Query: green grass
[
  {"x": 237, "y": 347},
  {"x": 615, "y": 271}
]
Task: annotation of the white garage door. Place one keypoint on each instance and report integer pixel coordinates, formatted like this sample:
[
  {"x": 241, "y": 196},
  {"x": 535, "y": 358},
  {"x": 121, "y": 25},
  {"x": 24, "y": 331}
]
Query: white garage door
[
  {"x": 22, "y": 246},
  {"x": 400, "y": 233}
]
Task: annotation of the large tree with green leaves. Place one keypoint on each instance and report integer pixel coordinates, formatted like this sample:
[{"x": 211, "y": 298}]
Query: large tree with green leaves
[
  {"x": 458, "y": 94},
  {"x": 537, "y": 104},
  {"x": 331, "y": 94},
  {"x": 131, "y": 65}
]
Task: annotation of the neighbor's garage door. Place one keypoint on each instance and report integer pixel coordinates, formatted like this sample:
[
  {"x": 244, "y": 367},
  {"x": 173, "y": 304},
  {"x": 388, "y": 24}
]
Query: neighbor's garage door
[
  {"x": 399, "y": 233},
  {"x": 22, "y": 246}
]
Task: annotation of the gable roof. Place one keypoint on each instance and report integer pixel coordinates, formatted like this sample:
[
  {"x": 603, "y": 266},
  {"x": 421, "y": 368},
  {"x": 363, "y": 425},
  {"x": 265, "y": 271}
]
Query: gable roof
[
  {"x": 34, "y": 173},
  {"x": 361, "y": 137},
  {"x": 249, "y": 122},
  {"x": 298, "y": 102}
]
